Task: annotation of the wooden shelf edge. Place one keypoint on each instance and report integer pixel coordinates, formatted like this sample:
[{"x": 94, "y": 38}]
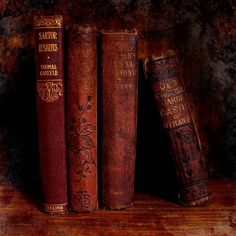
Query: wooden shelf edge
[{"x": 150, "y": 215}]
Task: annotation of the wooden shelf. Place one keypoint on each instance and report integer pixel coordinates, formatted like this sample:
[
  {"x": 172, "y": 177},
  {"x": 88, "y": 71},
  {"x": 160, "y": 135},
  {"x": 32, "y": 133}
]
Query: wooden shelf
[{"x": 150, "y": 215}]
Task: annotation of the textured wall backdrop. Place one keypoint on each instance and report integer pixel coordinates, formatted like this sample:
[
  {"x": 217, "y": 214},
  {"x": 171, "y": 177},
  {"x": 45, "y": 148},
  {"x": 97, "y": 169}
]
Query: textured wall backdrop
[{"x": 204, "y": 34}]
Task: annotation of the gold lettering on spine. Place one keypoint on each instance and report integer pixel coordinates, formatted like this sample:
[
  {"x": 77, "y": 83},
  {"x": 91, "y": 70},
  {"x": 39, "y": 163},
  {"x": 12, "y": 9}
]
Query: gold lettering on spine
[
  {"x": 55, "y": 208},
  {"x": 49, "y": 73},
  {"x": 48, "y": 70},
  {"x": 49, "y": 83},
  {"x": 173, "y": 107},
  {"x": 49, "y": 47},
  {"x": 125, "y": 68},
  {"x": 48, "y": 67},
  {"x": 87, "y": 60},
  {"x": 47, "y": 35}
]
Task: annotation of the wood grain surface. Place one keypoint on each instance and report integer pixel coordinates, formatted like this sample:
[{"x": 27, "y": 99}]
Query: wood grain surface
[{"x": 150, "y": 215}]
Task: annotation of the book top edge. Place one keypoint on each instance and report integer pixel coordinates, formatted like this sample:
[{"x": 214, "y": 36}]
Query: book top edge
[
  {"x": 82, "y": 27},
  {"x": 121, "y": 31},
  {"x": 55, "y": 21},
  {"x": 168, "y": 54}
]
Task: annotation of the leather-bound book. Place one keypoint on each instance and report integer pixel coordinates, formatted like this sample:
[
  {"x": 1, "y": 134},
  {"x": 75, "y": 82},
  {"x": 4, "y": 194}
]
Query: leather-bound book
[
  {"x": 118, "y": 117},
  {"x": 164, "y": 74},
  {"x": 51, "y": 111},
  {"x": 82, "y": 116}
]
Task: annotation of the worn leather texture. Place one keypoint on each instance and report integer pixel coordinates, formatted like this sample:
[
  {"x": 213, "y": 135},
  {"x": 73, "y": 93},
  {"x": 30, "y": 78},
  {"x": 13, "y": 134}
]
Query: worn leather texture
[
  {"x": 118, "y": 117},
  {"x": 51, "y": 111},
  {"x": 82, "y": 116},
  {"x": 172, "y": 102}
]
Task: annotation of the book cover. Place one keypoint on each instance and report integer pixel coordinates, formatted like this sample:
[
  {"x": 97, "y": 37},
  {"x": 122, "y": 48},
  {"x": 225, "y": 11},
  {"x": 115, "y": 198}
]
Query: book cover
[
  {"x": 118, "y": 117},
  {"x": 82, "y": 116},
  {"x": 167, "y": 86},
  {"x": 49, "y": 49}
]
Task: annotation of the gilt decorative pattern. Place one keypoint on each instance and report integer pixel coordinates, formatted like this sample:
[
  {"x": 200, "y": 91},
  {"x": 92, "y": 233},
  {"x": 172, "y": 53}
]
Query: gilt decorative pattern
[
  {"x": 42, "y": 22},
  {"x": 49, "y": 91},
  {"x": 81, "y": 143},
  {"x": 82, "y": 116}
]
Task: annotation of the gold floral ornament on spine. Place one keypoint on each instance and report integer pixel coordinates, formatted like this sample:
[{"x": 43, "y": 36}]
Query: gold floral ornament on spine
[
  {"x": 53, "y": 22},
  {"x": 49, "y": 91}
]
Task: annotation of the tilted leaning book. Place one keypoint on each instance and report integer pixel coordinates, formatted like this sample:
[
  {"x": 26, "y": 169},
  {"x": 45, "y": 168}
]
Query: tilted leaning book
[
  {"x": 119, "y": 87},
  {"x": 82, "y": 116},
  {"x": 49, "y": 49},
  {"x": 164, "y": 74}
]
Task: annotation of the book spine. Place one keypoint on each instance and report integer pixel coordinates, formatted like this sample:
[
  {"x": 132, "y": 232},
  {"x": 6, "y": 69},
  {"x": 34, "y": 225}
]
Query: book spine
[
  {"x": 50, "y": 111},
  {"x": 119, "y": 108},
  {"x": 168, "y": 88},
  {"x": 82, "y": 117}
]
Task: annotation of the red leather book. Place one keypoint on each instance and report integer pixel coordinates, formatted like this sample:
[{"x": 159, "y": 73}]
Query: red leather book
[
  {"x": 51, "y": 111},
  {"x": 82, "y": 116},
  {"x": 118, "y": 117},
  {"x": 172, "y": 103}
]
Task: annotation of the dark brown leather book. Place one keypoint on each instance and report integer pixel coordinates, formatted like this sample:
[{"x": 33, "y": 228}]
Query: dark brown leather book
[
  {"x": 82, "y": 116},
  {"x": 118, "y": 117},
  {"x": 164, "y": 74},
  {"x": 51, "y": 112}
]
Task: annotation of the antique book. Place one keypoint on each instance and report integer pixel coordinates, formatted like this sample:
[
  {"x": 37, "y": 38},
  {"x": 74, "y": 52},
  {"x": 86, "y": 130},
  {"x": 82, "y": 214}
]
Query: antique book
[
  {"x": 118, "y": 117},
  {"x": 82, "y": 116},
  {"x": 49, "y": 49},
  {"x": 164, "y": 75}
]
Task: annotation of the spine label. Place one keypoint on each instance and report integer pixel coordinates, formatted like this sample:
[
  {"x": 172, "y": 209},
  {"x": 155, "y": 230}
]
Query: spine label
[
  {"x": 49, "y": 82},
  {"x": 169, "y": 94},
  {"x": 173, "y": 108}
]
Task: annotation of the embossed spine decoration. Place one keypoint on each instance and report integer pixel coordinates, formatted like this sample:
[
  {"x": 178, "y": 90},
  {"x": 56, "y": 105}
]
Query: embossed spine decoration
[
  {"x": 82, "y": 116},
  {"x": 119, "y": 108},
  {"x": 167, "y": 85},
  {"x": 51, "y": 111}
]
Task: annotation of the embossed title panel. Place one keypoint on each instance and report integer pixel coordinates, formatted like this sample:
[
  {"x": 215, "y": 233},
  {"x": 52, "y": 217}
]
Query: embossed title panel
[
  {"x": 169, "y": 93},
  {"x": 49, "y": 35}
]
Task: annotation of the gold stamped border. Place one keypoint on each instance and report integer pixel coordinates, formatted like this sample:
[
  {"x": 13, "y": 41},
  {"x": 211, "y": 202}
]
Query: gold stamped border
[{"x": 41, "y": 22}]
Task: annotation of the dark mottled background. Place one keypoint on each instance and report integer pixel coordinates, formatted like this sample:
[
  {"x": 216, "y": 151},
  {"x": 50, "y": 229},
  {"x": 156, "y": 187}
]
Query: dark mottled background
[{"x": 203, "y": 33}]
